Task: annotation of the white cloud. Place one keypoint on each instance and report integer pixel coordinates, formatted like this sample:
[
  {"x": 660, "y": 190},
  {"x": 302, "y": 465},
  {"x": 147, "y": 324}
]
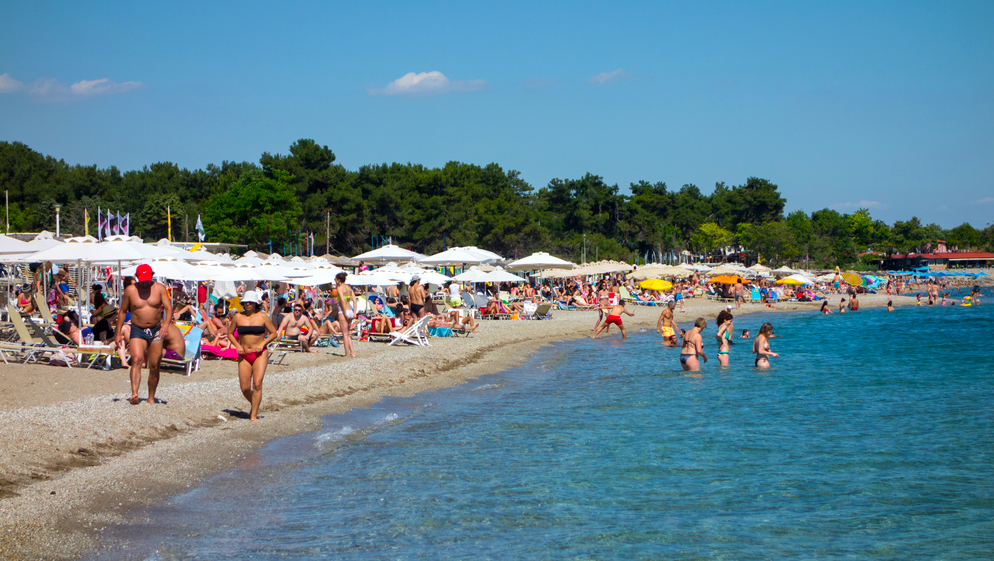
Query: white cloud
[
  {"x": 425, "y": 84},
  {"x": 52, "y": 89},
  {"x": 8, "y": 84},
  {"x": 102, "y": 86},
  {"x": 861, "y": 204},
  {"x": 986, "y": 200},
  {"x": 613, "y": 76}
]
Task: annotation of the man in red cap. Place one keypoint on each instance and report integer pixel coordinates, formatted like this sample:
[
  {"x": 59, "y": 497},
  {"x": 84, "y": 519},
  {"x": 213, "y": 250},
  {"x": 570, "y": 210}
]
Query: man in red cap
[{"x": 151, "y": 312}]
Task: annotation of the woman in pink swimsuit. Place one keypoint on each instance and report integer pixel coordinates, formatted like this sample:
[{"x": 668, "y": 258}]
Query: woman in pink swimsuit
[{"x": 255, "y": 332}]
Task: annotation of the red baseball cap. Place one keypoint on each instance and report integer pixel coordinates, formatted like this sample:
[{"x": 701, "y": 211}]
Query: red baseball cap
[{"x": 144, "y": 273}]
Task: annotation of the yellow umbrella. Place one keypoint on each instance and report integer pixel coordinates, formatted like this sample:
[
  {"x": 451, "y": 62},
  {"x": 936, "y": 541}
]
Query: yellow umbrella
[
  {"x": 788, "y": 280},
  {"x": 853, "y": 279},
  {"x": 656, "y": 284},
  {"x": 728, "y": 279}
]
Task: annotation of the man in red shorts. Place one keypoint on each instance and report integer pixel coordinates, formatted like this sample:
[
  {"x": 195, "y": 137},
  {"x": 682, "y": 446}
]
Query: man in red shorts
[{"x": 614, "y": 316}]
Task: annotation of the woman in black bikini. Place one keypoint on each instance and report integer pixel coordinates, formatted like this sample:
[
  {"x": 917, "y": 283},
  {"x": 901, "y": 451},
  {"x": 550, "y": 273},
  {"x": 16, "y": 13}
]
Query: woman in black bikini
[
  {"x": 693, "y": 347},
  {"x": 252, "y": 327},
  {"x": 761, "y": 346}
]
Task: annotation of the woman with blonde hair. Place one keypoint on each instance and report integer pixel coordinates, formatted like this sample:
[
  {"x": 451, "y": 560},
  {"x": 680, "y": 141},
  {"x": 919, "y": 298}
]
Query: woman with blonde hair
[{"x": 761, "y": 346}]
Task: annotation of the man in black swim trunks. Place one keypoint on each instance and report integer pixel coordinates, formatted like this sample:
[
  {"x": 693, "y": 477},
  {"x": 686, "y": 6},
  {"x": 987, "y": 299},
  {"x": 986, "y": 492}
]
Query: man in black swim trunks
[{"x": 151, "y": 312}]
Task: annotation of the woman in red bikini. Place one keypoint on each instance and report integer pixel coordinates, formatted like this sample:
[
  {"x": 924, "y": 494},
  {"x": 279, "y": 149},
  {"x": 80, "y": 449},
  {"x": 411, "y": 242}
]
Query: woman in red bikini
[{"x": 255, "y": 332}]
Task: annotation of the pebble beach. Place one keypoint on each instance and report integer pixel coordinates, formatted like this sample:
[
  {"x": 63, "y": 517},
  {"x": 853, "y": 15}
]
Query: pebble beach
[{"x": 77, "y": 457}]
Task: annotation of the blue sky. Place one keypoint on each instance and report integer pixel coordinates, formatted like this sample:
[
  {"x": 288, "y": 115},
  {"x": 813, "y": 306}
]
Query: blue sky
[{"x": 887, "y": 105}]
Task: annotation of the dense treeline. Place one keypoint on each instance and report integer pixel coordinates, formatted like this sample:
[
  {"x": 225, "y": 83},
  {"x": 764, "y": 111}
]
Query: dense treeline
[{"x": 458, "y": 204}]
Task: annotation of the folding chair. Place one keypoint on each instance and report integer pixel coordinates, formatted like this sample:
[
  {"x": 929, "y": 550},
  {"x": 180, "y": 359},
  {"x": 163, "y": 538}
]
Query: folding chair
[{"x": 417, "y": 334}]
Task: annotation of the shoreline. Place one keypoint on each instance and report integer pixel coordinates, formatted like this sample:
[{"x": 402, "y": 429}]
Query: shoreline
[{"x": 135, "y": 456}]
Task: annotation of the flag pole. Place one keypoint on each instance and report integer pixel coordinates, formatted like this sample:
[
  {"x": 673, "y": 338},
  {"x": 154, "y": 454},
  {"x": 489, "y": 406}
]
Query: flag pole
[{"x": 169, "y": 223}]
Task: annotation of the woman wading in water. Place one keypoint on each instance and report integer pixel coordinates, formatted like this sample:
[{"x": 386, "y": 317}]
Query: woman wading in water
[
  {"x": 255, "y": 332},
  {"x": 724, "y": 336},
  {"x": 693, "y": 346},
  {"x": 761, "y": 346}
]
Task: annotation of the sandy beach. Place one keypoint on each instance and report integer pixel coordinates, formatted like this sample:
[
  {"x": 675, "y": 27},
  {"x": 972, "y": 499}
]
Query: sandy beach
[{"x": 77, "y": 457}]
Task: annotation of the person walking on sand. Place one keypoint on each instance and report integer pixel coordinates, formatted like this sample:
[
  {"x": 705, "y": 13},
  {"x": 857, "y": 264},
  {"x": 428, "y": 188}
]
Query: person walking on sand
[
  {"x": 255, "y": 332},
  {"x": 344, "y": 300},
  {"x": 614, "y": 316},
  {"x": 761, "y": 346},
  {"x": 693, "y": 346},
  {"x": 724, "y": 336},
  {"x": 666, "y": 325},
  {"x": 152, "y": 329}
]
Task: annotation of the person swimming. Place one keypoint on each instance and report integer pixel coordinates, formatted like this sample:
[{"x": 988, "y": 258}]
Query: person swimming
[
  {"x": 890, "y": 305},
  {"x": 824, "y": 308},
  {"x": 745, "y": 334}
]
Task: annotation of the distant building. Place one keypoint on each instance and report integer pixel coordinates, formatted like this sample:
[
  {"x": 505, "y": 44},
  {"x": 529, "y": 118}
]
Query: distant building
[{"x": 951, "y": 260}]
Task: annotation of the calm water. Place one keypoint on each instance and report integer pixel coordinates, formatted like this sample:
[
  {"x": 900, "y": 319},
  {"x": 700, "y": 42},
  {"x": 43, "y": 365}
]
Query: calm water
[{"x": 870, "y": 438}]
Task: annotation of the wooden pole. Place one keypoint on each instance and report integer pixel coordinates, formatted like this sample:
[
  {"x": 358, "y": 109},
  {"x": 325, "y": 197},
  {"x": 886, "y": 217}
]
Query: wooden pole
[{"x": 327, "y": 233}]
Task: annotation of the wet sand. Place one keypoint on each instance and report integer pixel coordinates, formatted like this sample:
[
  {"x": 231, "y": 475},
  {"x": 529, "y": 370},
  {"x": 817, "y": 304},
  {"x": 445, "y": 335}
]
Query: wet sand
[{"x": 77, "y": 457}]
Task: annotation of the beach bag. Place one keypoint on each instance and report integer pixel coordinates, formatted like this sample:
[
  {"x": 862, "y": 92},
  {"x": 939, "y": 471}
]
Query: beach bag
[{"x": 57, "y": 360}]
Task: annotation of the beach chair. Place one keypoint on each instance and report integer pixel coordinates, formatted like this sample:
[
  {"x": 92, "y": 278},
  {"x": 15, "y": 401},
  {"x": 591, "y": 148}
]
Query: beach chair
[
  {"x": 32, "y": 349},
  {"x": 541, "y": 312},
  {"x": 190, "y": 361},
  {"x": 43, "y": 309},
  {"x": 89, "y": 353},
  {"x": 417, "y": 334}
]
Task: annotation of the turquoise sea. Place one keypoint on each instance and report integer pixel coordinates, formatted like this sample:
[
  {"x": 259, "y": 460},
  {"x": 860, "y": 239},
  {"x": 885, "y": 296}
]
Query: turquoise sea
[{"x": 872, "y": 437}]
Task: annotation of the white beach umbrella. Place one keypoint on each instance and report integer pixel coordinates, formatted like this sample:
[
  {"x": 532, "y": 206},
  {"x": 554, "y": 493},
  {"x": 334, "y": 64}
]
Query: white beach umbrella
[
  {"x": 457, "y": 256},
  {"x": 695, "y": 267},
  {"x": 87, "y": 250},
  {"x": 388, "y": 253},
  {"x": 317, "y": 277},
  {"x": 172, "y": 269},
  {"x": 758, "y": 268},
  {"x": 370, "y": 278},
  {"x": 539, "y": 260},
  {"x": 13, "y": 245},
  {"x": 497, "y": 275}
]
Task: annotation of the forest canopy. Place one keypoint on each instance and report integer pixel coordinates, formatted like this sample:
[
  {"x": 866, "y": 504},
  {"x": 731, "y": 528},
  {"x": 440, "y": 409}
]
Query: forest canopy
[{"x": 273, "y": 202}]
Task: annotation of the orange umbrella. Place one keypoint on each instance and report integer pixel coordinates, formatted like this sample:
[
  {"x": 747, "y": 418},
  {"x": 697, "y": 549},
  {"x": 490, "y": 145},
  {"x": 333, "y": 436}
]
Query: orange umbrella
[{"x": 728, "y": 279}]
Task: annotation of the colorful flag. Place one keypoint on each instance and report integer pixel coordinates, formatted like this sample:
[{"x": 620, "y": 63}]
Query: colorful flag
[
  {"x": 107, "y": 225},
  {"x": 312, "y": 244},
  {"x": 126, "y": 226},
  {"x": 117, "y": 225},
  {"x": 100, "y": 225},
  {"x": 200, "y": 229},
  {"x": 86, "y": 222}
]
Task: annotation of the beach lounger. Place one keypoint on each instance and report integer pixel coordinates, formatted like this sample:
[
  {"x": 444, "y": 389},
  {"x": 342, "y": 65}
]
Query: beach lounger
[
  {"x": 541, "y": 312},
  {"x": 31, "y": 349},
  {"x": 190, "y": 361},
  {"x": 417, "y": 334}
]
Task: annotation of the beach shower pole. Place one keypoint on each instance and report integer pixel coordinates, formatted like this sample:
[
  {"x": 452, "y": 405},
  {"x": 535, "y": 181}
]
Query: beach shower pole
[{"x": 57, "y": 209}]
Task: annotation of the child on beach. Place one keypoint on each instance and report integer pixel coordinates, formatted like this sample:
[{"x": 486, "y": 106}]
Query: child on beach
[{"x": 614, "y": 316}]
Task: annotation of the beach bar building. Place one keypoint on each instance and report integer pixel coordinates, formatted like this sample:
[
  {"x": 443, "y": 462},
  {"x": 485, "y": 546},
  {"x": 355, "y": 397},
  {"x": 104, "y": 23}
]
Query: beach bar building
[{"x": 948, "y": 260}]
